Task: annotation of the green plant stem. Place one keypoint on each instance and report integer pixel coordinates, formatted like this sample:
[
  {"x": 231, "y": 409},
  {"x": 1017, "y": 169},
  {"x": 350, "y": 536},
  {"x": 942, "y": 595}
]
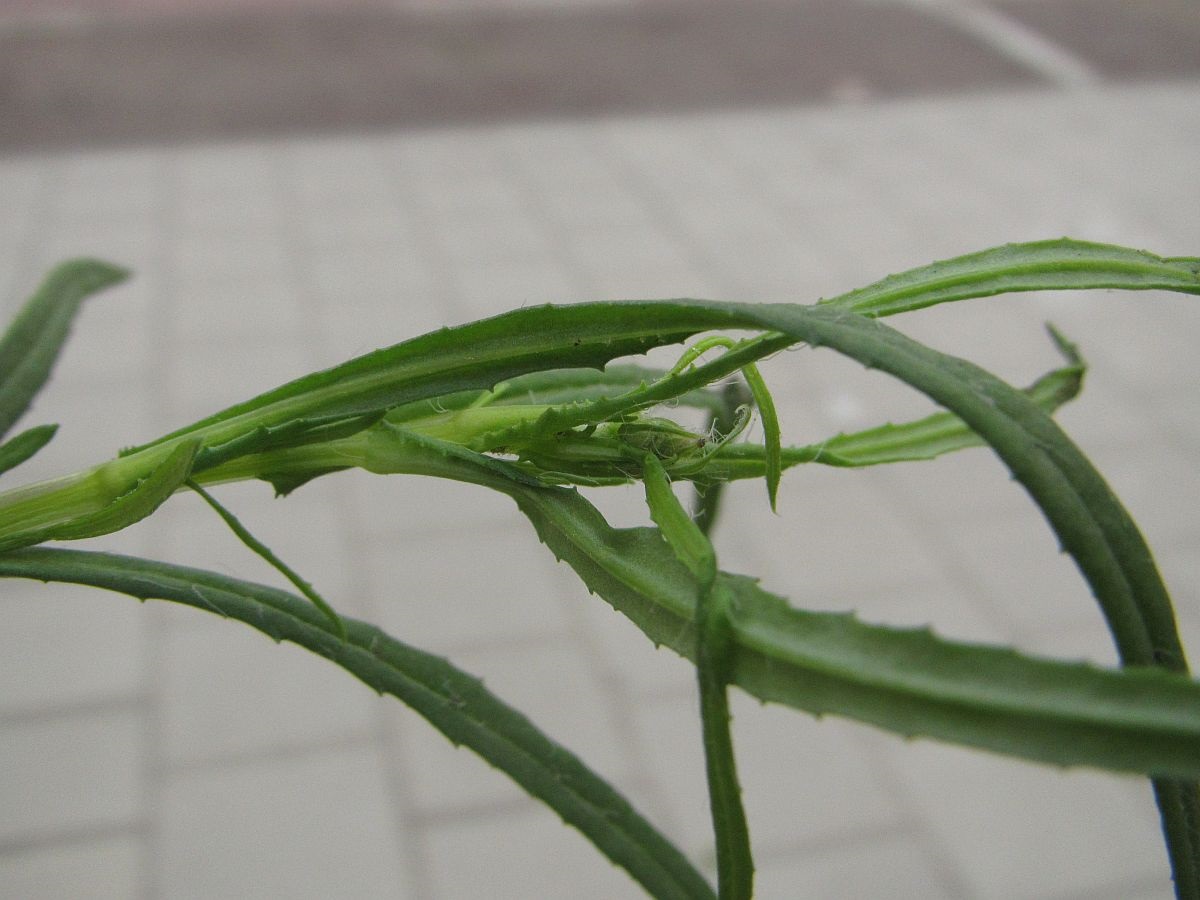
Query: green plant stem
[
  {"x": 714, "y": 654},
  {"x": 265, "y": 552},
  {"x": 15, "y": 451},
  {"x": 715, "y": 650}
]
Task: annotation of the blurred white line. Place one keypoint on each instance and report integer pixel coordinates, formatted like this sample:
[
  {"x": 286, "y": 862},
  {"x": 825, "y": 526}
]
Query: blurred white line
[{"x": 1016, "y": 41}]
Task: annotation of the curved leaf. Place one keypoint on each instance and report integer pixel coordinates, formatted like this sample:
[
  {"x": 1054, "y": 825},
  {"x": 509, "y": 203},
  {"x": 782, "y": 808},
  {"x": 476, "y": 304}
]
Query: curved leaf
[
  {"x": 32, "y": 342},
  {"x": 454, "y": 702},
  {"x": 1056, "y": 265},
  {"x": 16, "y": 450}
]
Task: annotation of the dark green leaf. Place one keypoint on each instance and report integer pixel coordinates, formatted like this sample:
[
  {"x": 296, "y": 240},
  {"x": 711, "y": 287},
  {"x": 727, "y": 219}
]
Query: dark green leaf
[
  {"x": 31, "y": 344},
  {"x": 16, "y": 450},
  {"x": 454, "y": 702},
  {"x": 1061, "y": 264}
]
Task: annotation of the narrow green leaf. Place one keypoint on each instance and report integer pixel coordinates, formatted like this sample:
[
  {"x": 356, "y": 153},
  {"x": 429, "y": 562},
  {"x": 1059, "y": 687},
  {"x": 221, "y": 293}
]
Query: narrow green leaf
[
  {"x": 561, "y": 386},
  {"x": 469, "y": 357},
  {"x": 33, "y": 340},
  {"x": 1062, "y": 264},
  {"x": 772, "y": 451},
  {"x": 691, "y": 546},
  {"x": 454, "y": 702},
  {"x": 16, "y": 450},
  {"x": 294, "y": 433}
]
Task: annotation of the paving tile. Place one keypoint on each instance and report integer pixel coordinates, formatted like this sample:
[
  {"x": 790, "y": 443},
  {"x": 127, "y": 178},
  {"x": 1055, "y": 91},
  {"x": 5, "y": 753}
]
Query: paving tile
[
  {"x": 119, "y": 191},
  {"x": 1088, "y": 639},
  {"x": 627, "y": 656},
  {"x": 204, "y": 378},
  {"x": 70, "y": 773},
  {"x": 1018, "y": 568},
  {"x": 440, "y": 777},
  {"x": 131, "y": 245},
  {"x": 653, "y": 279},
  {"x": 377, "y": 294},
  {"x": 966, "y": 484},
  {"x": 245, "y": 309},
  {"x": 228, "y": 692},
  {"x": 1160, "y": 493},
  {"x": 1180, "y": 568},
  {"x": 397, "y": 510},
  {"x": 28, "y": 183},
  {"x": 833, "y": 533},
  {"x": 489, "y": 290},
  {"x": 230, "y": 251},
  {"x": 524, "y": 854},
  {"x": 310, "y": 826},
  {"x": 307, "y": 530},
  {"x": 993, "y": 816},
  {"x": 338, "y": 225},
  {"x": 551, "y": 683},
  {"x": 888, "y": 865},
  {"x": 475, "y": 241},
  {"x": 65, "y": 646},
  {"x": 96, "y": 419},
  {"x": 802, "y": 781},
  {"x": 104, "y": 869},
  {"x": 431, "y": 599}
]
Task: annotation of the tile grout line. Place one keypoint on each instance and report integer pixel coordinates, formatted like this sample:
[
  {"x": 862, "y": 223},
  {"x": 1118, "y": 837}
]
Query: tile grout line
[
  {"x": 99, "y": 706},
  {"x": 78, "y": 835}
]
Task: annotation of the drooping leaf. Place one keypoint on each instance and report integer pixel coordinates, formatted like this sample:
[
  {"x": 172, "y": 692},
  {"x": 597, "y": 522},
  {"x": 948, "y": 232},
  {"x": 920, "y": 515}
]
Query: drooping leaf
[
  {"x": 1056, "y": 265},
  {"x": 32, "y": 342},
  {"x": 16, "y": 450},
  {"x": 455, "y": 703}
]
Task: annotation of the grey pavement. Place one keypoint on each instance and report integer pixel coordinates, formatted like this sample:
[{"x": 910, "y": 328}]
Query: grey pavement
[{"x": 148, "y": 751}]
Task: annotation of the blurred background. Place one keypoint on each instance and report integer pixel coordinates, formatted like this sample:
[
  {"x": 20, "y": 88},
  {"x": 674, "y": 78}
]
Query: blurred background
[{"x": 295, "y": 183}]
